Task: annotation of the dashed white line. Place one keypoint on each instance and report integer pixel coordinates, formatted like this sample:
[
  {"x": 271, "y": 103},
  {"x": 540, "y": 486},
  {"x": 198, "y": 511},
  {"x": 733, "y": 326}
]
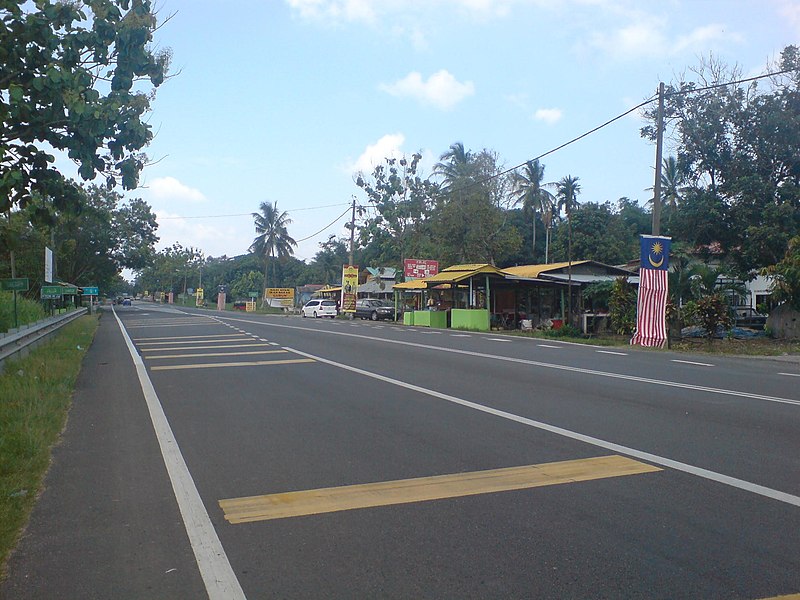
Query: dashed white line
[
  {"x": 460, "y": 335},
  {"x": 498, "y": 340},
  {"x": 691, "y": 362},
  {"x": 610, "y": 352},
  {"x": 790, "y": 374},
  {"x": 548, "y": 346}
]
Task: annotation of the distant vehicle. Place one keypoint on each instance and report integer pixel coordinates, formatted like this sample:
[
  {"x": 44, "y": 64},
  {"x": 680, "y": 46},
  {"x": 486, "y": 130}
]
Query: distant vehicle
[
  {"x": 126, "y": 302},
  {"x": 240, "y": 305},
  {"x": 374, "y": 309},
  {"x": 319, "y": 308}
]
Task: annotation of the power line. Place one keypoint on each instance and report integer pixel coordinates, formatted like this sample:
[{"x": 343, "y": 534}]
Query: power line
[
  {"x": 627, "y": 112},
  {"x": 331, "y": 224},
  {"x": 250, "y": 213}
]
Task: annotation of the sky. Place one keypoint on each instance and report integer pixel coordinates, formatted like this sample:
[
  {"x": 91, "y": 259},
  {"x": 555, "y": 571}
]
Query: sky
[{"x": 286, "y": 100}]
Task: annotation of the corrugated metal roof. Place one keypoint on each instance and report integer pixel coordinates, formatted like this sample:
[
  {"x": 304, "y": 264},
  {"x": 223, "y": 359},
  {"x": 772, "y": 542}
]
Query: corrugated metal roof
[
  {"x": 533, "y": 271},
  {"x": 413, "y": 284}
]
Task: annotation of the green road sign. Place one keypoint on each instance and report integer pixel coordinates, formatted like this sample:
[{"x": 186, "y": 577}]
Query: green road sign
[
  {"x": 253, "y": 294},
  {"x": 52, "y": 292},
  {"x": 69, "y": 290},
  {"x": 91, "y": 291},
  {"x": 19, "y": 284}
]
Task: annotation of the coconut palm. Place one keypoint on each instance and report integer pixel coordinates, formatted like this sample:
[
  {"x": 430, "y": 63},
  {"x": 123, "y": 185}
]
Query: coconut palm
[
  {"x": 273, "y": 239},
  {"x": 529, "y": 190},
  {"x": 453, "y": 165},
  {"x": 567, "y": 197}
]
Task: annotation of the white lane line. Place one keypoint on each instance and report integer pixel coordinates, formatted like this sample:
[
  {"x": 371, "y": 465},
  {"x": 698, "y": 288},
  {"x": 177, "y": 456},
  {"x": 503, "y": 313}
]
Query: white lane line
[
  {"x": 215, "y": 569},
  {"x": 790, "y": 374},
  {"x": 460, "y": 335},
  {"x": 548, "y": 346},
  {"x": 691, "y": 362},
  {"x": 610, "y": 352},
  {"x": 633, "y": 452},
  {"x": 497, "y": 340},
  {"x": 549, "y": 365}
]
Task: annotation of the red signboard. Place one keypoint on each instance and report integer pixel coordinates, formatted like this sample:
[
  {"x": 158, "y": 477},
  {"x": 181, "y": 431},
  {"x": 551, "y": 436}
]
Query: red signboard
[{"x": 418, "y": 269}]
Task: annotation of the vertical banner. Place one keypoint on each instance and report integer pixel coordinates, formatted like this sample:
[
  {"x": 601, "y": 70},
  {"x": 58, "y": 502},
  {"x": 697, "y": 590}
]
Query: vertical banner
[
  {"x": 651, "y": 306},
  {"x": 48, "y": 265},
  {"x": 349, "y": 288}
]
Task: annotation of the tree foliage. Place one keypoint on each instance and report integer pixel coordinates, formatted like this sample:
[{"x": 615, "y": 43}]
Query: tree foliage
[
  {"x": 74, "y": 77},
  {"x": 785, "y": 276}
]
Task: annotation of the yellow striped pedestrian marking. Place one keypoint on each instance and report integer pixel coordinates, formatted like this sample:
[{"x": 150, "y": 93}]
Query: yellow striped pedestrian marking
[
  {"x": 256, "y": 345},
  {"x": 216, "y": 354},
  {"x": 404, "y": 491},
  {"x": 258, "y": 363}
]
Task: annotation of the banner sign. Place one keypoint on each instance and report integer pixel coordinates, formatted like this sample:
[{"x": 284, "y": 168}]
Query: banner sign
[
  {"x": 349, "y": 288},
  {"x": 91, "y": 291},
  {"x": 285, "y": 296},
  {"x": 48, "y": 265},
  {"x": 651, "y": 306},
  {"x": 419, "y": 269}
]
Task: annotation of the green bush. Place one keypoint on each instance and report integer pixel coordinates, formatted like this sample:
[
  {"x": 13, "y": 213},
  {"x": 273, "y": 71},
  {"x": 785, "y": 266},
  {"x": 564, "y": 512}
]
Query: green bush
[
  {"x": 28, "y": 311},
  {"x": 564, "y": 331},
  {"x": 622, "y": 307}
]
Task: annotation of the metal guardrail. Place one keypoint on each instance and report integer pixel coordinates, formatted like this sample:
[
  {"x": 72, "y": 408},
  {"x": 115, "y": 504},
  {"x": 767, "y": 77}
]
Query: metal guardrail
[{"x": 27, "y": 337}]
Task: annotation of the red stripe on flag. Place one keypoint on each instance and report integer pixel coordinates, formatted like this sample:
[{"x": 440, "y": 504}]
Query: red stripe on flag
[{"x": 651, "y": 308}]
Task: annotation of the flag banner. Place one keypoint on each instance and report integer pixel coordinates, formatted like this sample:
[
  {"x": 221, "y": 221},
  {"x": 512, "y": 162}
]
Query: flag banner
[
  {"x": 654, "y": 252},
  {"x": 651, "y": 306},
  {"x": 651, "y": 309}
]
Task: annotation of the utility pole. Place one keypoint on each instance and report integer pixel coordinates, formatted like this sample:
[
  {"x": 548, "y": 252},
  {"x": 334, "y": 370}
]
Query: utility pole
[
  {"x": 659, "y": 150},
  {"x": 352, "y": 231}
]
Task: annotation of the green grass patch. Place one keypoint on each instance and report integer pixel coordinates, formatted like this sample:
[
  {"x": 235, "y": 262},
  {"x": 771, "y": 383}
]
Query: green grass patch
[
  {"x": 35, "y": 396},
  {"x": 28, "y": 311}
]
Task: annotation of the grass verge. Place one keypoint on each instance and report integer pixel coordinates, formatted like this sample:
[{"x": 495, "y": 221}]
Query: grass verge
[{"x": 35, "y": 396}]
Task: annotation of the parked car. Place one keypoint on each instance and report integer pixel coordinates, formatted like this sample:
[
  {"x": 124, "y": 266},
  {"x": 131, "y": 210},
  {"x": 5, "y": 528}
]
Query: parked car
[
  {"x": 126, "y": 301},
  {"x": 319, "y": 308},
  {"x": 374, "y": 309}
]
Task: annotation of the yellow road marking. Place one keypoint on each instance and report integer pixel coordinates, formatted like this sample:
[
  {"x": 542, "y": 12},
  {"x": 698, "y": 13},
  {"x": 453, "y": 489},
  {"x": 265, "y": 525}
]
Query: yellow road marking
[
  {"x": 216, "y": 354},
  {"x": 404, "y": 491},
  {"x": 257, "y": 345},
  {"x": 786, "y": 597},
  {"x": 258, "y": 363},
  {"x": 237, "y": 338}
]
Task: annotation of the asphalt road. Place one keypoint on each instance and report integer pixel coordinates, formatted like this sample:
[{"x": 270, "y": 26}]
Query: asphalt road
[{"x": 280, "y": 457}]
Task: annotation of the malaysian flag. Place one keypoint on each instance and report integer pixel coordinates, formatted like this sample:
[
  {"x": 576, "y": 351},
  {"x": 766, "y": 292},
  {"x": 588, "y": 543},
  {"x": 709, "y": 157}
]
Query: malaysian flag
[{"x": 651, "y": 307}]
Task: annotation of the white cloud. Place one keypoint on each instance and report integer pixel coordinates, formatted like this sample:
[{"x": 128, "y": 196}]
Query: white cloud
[
  {"x": 214, "y": 238},
  {"x": 335, "y": 10},
  {"x": 389, "y": 146},
  {"x": 551, "y": 116},
  {"x": 702, "y": 37},
  {"x": 441, "y": 89},
  {"x": 169, "y": 188}
]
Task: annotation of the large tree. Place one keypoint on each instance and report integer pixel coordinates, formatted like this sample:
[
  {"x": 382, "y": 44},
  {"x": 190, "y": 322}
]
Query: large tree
[
  {"x": 401, "y": 202},
  {"x": 77, "y": 77},
  {"x": 738, "y": 144},
  {"x": 273, "y": 238}
]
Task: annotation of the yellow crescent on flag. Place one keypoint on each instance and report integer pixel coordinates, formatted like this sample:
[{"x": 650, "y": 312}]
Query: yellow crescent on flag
[{"x": 656, "y": 264}]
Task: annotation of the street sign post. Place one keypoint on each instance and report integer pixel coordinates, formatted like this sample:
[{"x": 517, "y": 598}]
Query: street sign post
[
  {"x": 18, "y": 284},
  {"x": 91, "y": 291},
  {"x": 52, "y": 292}
]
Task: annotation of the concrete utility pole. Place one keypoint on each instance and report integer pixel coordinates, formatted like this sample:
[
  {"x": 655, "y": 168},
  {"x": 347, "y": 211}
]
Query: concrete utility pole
[
  {"x": 352, "y": 231},
  {"x": 659, "y": 150}
]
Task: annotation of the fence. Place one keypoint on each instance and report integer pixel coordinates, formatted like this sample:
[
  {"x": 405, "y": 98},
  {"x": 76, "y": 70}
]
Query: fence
[{"x": 27, "y": 337}]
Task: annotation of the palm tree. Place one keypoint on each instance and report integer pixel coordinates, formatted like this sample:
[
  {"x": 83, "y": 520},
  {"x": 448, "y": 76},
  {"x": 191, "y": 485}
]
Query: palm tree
[
  {"x": 453, "y": 165},
  {"x": 528, "y": 190},
  {"x": 273, "y": 239},
  {"x": 671, "y": 181},
  {"x": 567, "y": 196}
]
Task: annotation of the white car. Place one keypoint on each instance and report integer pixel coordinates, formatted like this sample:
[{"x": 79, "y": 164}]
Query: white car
[{"x": 319, "y": 308}]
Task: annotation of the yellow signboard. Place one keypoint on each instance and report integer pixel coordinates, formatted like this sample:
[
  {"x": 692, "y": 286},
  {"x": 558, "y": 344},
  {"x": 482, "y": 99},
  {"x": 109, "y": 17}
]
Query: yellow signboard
[
  {"x": 199, "y": 293},
  {"x": 250, "y": 306},
  {"x": 349, "y": 288},
  {"x": 285, "y": 295},
  {"x": 281, "y": 293}
]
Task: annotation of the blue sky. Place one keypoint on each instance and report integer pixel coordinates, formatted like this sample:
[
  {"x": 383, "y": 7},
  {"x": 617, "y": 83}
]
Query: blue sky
[{"x": 285, "y": 100}]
